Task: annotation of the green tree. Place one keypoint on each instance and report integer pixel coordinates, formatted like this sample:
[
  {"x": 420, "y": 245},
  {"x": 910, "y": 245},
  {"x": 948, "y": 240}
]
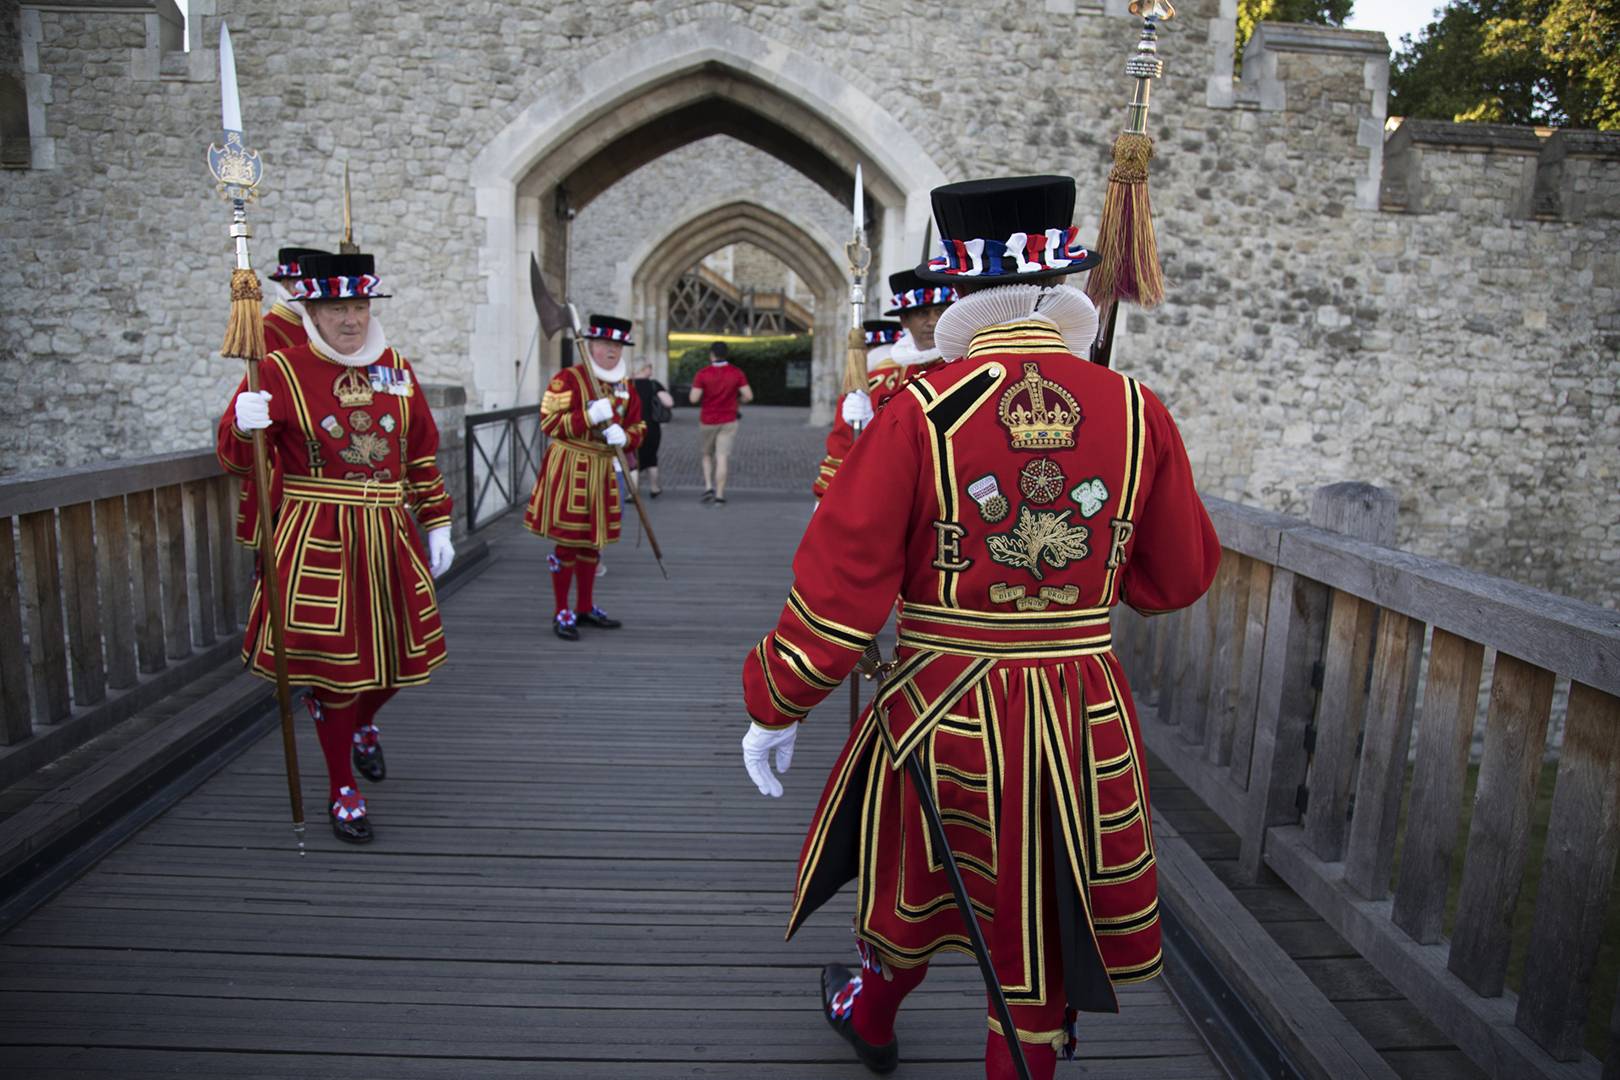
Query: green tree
[
  {"x": 1514, "y": 62},
  {"x": 1253, "y": 12}
]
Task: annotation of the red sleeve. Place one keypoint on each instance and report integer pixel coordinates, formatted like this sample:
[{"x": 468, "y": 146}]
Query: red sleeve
[
  {"x": 839, "y": 442},
  {"x": 847, "y": 573},
  {"x": 424, "y": 484},
  {"x": 562, "y": 408},
  {"x": 1174, "y": 551},
  {"x": 699, "y": 382},
  {"x": 235, "y": 448}
]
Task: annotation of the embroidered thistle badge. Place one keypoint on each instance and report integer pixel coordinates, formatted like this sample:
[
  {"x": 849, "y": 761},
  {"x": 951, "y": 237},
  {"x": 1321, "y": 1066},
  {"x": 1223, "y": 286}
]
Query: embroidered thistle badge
[{"x": 1040, "y": 536}]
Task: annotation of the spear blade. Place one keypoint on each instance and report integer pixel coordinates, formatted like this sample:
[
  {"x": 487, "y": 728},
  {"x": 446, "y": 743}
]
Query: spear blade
[{"x": 230, "y": 101}]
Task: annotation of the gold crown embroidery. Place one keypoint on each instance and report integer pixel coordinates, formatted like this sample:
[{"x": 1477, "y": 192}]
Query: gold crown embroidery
[
  {"x": 352, "y": 389},
  {"x": 1034, "y": 422}
]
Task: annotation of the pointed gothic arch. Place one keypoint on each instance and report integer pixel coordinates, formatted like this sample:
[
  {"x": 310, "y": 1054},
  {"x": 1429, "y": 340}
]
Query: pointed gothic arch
[{"x": 585, "y": 130}]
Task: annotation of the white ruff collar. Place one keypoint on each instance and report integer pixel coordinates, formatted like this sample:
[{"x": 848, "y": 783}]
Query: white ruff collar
[
  {"x": 280, "y": 295},
  {"x": 376, "y": 344},
  {"x": 906, "y": 353},
  {"x": 1064, "y": 306},
  {"x": 877, "y": 357},
  {"x": 613, "y": 374}
]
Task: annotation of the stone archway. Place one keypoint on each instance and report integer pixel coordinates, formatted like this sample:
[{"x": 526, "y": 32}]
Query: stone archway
[
  {"x": 587, "y": 129},
  {"x": 812, "y": 255}
]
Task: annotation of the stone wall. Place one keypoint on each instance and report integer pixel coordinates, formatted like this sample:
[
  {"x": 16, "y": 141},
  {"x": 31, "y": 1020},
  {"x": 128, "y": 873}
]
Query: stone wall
[{"x": 1436, "y": 315}]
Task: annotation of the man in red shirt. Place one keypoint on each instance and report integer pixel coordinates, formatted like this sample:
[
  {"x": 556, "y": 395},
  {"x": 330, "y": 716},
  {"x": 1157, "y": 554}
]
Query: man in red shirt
[{"x": 718, "y": 388}]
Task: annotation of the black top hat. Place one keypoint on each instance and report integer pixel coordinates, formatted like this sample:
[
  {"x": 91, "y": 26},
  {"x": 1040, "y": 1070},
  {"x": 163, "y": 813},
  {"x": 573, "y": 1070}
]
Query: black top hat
[
  {"x": 338, "y": 277},
  {"x": 908, "y": 292},
  {"x": 287, "y": 261},
  {"x": 609, "y": 328},
  {"x": 881, "y": 332},
  {"x": 1007, "y": 229}
]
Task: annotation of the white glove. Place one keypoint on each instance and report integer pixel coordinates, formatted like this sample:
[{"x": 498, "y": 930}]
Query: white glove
[
  {"x": 857, "y": 408},
  {"x": 441, "y": 553},
  {"x": 599, "y": 411},
  {"x": 613, "y": 435},
  {"x": 253, "y": 410},
  {"x": 757, "y": 746}
]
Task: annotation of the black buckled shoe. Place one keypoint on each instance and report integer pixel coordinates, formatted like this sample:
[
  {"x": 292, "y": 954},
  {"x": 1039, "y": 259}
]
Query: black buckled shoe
[
  {"x": 348, "y": 816},
  {"x": 566, "y": 626},
  {"x": 598, "y": 618},
  {"x": 368, "y": 761},
  {"x": 839, "y": 1010}
]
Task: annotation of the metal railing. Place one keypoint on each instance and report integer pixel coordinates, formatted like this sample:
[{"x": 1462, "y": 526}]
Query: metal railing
[{"x": 503, "y": 456}]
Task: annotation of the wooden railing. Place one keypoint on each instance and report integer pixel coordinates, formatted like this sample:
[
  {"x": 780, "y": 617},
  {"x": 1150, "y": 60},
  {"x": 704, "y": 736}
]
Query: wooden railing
[
  {"x": 112, "y": 578},
  {"x": 1287, "y": 700}
]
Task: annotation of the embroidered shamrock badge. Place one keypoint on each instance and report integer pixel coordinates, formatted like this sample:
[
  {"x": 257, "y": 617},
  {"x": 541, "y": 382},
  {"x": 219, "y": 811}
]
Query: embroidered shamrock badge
[{"x": 1091, "y": 495}]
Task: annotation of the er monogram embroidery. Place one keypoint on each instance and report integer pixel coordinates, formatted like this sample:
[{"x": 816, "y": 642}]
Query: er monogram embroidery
[
  {"x": 1122, "y": 535},
  {"x": 1091, "y": 495},
  {"x": 948, "y": 546},
  {"x": 1041, "y": 536},
  {"x": 1041, "y": 480},
  {"x": 1032, "y": 419}
]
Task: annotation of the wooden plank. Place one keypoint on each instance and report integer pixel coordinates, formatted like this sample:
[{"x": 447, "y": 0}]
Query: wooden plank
[
  {"x": 117, "y": 597},
  {"x": 1306, "y": 1025},
  {"x": 1200, "y": 663},
  {"x": 1229, "y": 615},
  {"x": 16, "y": 708},
  {"x": 1390, "y": 703},
  {"x": 83, "y": 604},
  {"x": 1168, "y": 663},
  {"x": 1248, "y": 675},
  {"x": 1481, "y": 1027},
  {"x": 1213, "y": 786},
  {"x": 148, "y": 594},
  {"x": 47, "y": 651},
  {"x": 200, "y": 557},
  {"x": 1499, "y": 831},
  {"x": 46, "y": 489},
  {"x": 1339, "y": 717},
  {"x": 1445, "y": 733},
  {"x": 222, "y": 535},
  {"x": 170, "y": 503},
  {"x": 1572, "y": 904},
  {"x": 1284, "y": 706},
  {"x": 1611, "y": 1060}
]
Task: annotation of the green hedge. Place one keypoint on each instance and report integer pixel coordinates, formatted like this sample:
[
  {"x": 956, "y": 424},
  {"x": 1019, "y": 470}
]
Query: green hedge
[{"x": 766, "y": 364}]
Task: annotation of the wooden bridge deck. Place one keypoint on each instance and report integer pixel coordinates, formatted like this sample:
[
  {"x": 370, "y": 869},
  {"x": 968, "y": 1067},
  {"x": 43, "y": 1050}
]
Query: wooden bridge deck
[{"x": 572, "y": 876}]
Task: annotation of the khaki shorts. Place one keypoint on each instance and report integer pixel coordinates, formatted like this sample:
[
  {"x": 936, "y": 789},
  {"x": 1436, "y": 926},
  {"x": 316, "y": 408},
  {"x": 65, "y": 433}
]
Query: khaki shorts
[{"x": 717, "y": 439}]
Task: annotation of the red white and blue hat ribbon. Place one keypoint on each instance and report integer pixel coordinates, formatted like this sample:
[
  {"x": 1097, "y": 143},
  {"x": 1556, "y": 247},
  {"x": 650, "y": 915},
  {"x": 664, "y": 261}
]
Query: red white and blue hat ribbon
[
  {"x": 925, "y": 297},
  {"x": 888, "y": 335},
  {"x": 363, "y": 286},
  {"x": 1020, "y": 253},
  {"x": 284, "y": 270},
  {"x": 607, "y": 333}
]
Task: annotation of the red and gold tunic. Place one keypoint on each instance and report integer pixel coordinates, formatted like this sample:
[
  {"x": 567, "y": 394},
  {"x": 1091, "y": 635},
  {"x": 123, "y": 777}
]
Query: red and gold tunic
[
  {"x": 881, "y": 384},
  {"x": 283, "y": 330},
  {"x": 575, "y": 500},
  {"x": 1010, "y": 499},
  {"x": 356, "y": 446}
]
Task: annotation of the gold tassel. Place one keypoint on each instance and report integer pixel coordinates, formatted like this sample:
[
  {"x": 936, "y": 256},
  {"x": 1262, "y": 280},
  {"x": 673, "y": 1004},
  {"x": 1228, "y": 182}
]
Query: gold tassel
[
  {"x": 1129, "y": 270},
  {"x": 244, "y": 332},
  {"x": 855, "y": 361}
]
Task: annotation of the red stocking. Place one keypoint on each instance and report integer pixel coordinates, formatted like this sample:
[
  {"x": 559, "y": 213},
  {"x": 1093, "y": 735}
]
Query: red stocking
[
  {"x": 585, "y": 577},
  {"x": 883, "y": 988},
  {"x": 365, "y": 732},
  {"x": 336, "y": 717},
  {"x": 562, "y": 572}
]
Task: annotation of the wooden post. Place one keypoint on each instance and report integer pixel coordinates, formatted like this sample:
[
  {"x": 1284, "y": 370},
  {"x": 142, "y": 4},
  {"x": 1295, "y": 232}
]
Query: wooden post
[
  {"x": 199, "y": 544},
  {"x": 149, "y": 644},
  {"x": 1445, "y": 733},
  {"x": 1572, "y": 903},
  {"x": 1371, "y": 849},
  {"x": 118, "y": 609},
  {"x": 47, "y": 652},
  {"x": 172, "y": 562},
  {"x": 1253, "y": 629},
  {"x": 1499, "y": 832},
  {"x": 1231, "y": 612},
  {"x": 83, "y": 605},
  {"x": 15, "y": 707},
  {"x": 1366, "y": 513}
]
